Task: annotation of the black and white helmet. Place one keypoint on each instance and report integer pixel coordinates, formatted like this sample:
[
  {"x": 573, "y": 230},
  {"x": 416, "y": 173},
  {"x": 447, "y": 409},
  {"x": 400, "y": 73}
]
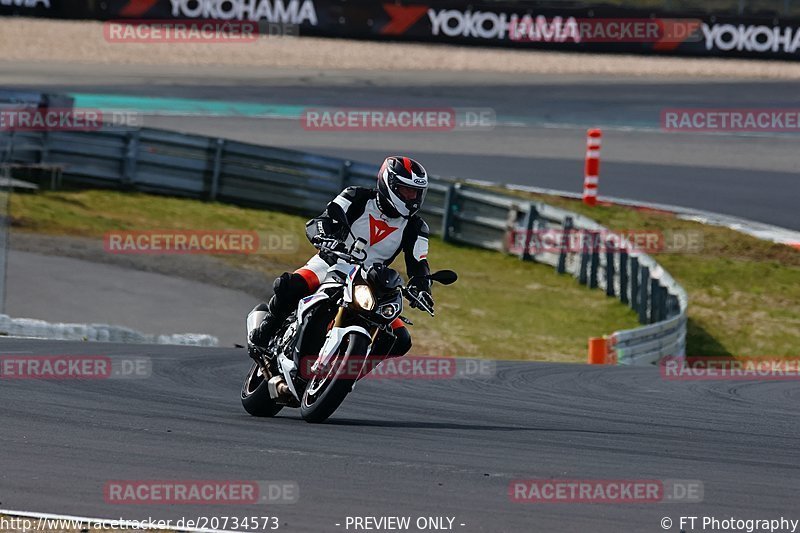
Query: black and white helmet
[{"x": 402, "y": 186}]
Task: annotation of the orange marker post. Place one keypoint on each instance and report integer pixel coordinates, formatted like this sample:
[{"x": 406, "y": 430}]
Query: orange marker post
[
  {"x": 591, "y": 173},
  {"x": 598, "y": 351}
]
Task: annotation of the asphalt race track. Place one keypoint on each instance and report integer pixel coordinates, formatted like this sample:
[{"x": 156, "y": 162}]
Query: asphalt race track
[
  {"x": 399, "y": 447},
  {"x": 64, "y": 289}
]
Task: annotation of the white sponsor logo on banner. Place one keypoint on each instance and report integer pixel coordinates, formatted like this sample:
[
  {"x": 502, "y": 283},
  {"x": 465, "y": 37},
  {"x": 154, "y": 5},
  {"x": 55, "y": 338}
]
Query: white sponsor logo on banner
[
  {"x": 728, "y": 37},
  {"x": 283, "y": 11},
  {"x": 488, "y": 25}
]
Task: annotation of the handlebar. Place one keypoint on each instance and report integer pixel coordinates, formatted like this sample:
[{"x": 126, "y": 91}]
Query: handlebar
[{"x": 328, "y": 246}]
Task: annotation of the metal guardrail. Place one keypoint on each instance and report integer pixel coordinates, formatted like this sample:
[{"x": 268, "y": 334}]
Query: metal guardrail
[
  {"x": 633, "y": 277},
  {"x": 167, "y": 162}
]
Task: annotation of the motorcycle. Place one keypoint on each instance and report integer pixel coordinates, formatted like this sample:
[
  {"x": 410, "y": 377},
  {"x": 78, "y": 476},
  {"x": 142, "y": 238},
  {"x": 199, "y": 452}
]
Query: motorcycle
[{"x": 338, "y": 324}]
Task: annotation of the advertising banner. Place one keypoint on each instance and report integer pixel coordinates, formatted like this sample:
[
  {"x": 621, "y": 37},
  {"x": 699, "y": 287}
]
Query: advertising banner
[{"x": 506, "y": 24}]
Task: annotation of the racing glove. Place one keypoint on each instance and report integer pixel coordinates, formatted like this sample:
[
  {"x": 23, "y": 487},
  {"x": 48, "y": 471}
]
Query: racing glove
[
  {"x": 420, "y": 288},
  {"x": 328, "y": 243},
  {"x": 325, "y": 244}
]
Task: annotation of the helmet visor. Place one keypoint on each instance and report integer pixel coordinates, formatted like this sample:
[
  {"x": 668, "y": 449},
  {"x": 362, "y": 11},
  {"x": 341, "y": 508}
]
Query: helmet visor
[{"x": 410, "y": 195}]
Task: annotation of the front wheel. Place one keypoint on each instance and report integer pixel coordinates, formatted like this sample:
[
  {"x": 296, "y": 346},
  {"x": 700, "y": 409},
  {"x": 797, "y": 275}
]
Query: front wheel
[
  {"x": 325, "y": 393},
  {"x": 255, "y": 394}
]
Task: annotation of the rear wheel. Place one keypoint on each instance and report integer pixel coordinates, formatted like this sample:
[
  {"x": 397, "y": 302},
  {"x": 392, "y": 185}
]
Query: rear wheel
[
  {"x": 325, "y": 393},
  {"x": 255, "y": 394}
]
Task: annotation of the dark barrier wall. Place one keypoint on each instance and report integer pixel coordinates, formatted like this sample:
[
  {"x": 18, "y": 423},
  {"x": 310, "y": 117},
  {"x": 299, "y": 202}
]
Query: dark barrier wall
[{"x": 508, "y": 24}]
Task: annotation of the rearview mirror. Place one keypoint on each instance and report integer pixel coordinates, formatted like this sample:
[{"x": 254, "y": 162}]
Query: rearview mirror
[{"x": 445, "y": 277}]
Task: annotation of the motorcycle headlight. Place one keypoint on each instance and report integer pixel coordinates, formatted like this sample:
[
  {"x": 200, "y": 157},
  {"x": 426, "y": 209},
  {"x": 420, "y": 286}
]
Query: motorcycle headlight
[
  {"x": 363, "y": 297},
  {"x": 389, "y": 310}
]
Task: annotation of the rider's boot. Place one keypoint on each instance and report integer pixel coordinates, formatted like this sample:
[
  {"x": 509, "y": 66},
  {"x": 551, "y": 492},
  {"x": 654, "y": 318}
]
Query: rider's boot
[{"x": 288, "y": 290}]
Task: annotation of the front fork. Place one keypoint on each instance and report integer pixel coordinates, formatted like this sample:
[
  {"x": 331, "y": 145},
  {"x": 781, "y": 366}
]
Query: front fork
[{"x": 341, "y": 328}]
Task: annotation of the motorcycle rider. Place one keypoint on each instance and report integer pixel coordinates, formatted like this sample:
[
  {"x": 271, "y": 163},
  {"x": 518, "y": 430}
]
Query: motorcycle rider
[{"x": 386, "y": 218}]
